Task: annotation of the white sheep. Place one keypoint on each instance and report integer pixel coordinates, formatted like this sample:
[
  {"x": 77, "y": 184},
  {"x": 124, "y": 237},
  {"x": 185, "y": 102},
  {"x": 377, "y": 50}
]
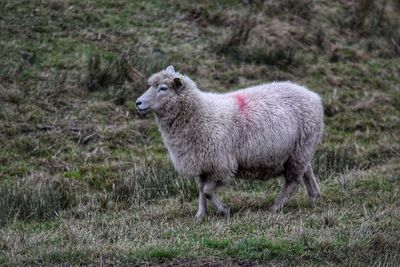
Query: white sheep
[{"x": 259, "y": 132}]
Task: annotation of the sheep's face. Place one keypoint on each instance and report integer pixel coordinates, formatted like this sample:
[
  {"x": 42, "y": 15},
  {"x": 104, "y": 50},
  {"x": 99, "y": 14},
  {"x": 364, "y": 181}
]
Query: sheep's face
[{"x": 162, "y": 90}]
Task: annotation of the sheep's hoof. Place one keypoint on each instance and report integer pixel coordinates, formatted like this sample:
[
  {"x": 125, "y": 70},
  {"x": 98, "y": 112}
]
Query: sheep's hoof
[
  {"x": 314, "y": 201},
  {"x": 274, "y": 209},
  {"x": 226, "y": 211},
  {"x": 200, "y": 215},
  {"x": 313, "y": 204}
]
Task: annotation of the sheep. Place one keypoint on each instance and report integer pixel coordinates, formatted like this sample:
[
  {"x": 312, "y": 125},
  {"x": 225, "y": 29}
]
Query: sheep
[{"x": 259, "y": 132}]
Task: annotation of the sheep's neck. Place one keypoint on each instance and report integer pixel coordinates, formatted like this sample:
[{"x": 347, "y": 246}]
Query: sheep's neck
[{"x": 182, "y": 117}]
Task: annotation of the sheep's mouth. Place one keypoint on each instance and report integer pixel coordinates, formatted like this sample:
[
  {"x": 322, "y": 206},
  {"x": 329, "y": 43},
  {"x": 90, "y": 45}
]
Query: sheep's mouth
[{"x": 143, "y": 110}]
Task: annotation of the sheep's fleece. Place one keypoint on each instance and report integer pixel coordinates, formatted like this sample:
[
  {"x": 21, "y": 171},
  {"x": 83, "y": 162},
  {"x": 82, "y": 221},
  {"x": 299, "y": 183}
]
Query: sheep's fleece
[{"x": 259, "y": 132}]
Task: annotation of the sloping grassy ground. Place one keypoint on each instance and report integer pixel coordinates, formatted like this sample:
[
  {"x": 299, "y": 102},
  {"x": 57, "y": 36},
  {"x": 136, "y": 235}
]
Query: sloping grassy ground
[{"x": 84, "y": 180}]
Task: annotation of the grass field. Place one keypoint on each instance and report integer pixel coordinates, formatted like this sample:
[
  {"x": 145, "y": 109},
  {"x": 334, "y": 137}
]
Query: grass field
[{"x": 85, "y": 181}]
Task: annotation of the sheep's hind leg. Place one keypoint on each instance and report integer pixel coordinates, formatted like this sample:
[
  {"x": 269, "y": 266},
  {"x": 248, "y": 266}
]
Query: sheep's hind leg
[
  {"x": 209, "y": 190},
  {"x": 311, "y": 184},
  {"x": 284, "y": 196},
  {"x": 292, "y": 178}
]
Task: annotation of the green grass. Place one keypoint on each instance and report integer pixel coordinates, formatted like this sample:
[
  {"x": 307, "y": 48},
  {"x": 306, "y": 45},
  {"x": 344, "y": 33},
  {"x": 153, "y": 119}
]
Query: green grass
[
  {"x": 85, "y": 181},
  {"x": 157, "y": 254}
]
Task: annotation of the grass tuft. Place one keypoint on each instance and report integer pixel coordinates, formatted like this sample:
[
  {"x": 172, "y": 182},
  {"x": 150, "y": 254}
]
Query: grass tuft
[
  {"x": 102, "y": 75},
  {"x": 151, "y": 181},
  {"x": 37, "y": 197}
]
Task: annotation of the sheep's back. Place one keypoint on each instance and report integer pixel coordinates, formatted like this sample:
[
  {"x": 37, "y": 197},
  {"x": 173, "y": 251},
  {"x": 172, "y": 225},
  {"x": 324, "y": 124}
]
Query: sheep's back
[{"x": 271, "y": 119}]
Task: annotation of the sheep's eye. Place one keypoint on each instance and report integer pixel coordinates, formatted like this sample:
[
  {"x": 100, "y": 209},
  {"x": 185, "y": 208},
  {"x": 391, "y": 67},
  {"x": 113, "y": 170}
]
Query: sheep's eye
[{"x": 163, "y": 88}]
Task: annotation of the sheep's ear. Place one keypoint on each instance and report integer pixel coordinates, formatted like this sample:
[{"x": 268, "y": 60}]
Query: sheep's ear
[
  {"x": 177, "y": 83},
  {"x": 170, "y": 69}
]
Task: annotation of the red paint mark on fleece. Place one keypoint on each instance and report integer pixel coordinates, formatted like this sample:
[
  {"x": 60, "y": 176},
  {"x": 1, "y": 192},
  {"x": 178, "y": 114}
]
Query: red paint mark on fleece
[{"x": 242, "y": 102}]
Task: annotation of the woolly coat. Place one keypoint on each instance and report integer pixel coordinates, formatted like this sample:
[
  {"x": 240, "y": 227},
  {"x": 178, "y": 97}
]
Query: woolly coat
[{"x": 249, "y": 133}]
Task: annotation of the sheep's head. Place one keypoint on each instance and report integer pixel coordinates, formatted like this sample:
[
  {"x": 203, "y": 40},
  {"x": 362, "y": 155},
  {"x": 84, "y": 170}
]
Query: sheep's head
[{"x": 164, "y": 87}]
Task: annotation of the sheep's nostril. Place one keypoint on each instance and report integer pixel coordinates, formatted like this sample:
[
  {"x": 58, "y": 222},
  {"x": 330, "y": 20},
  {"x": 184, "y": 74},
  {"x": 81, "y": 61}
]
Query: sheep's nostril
[{"x": 138, "y": 103}]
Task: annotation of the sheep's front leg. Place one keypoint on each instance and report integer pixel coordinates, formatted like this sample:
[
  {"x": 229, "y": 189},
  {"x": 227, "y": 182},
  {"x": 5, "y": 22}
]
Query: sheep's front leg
[
  {"x": 202, "y": 210},
  {"x": 209, "y": 190},
  {"x": 219, "y": 205}
]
